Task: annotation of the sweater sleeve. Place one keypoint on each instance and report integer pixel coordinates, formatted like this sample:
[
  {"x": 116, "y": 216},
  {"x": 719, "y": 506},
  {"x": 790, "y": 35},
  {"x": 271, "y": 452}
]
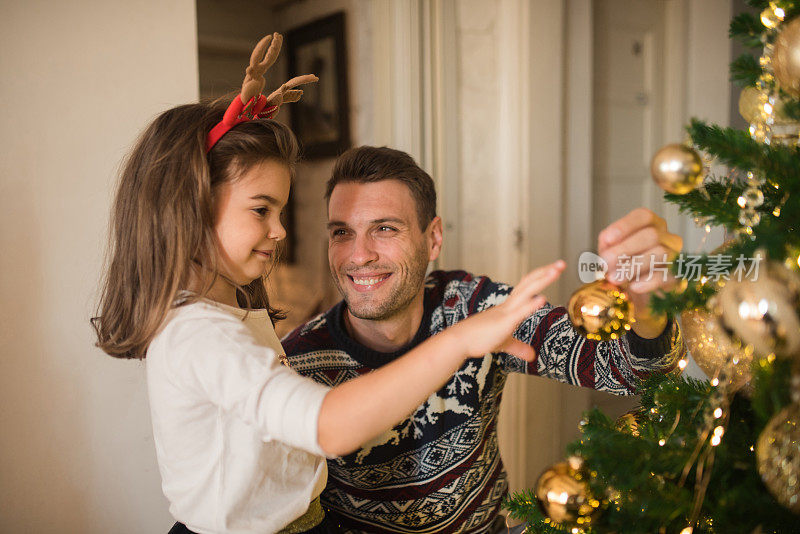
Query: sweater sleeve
[
  {"x": 562, "y": 353},
  {"x": 221, "y": 361}
]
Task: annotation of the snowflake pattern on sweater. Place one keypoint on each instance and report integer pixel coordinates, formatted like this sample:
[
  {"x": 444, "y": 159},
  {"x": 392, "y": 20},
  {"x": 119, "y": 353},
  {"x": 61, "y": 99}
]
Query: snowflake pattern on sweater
[{"x": 440, "y": 471}]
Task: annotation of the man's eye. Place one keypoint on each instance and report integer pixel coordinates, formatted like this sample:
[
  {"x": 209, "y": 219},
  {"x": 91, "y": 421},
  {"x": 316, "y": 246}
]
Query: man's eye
[
  {"x": 387, "y": 228},
  {"x": 338, "y": 232}
]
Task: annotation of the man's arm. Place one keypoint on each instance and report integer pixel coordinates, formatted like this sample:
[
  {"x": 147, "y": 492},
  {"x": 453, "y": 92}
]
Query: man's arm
[
  {"x": 613, "y": 366},
  {"x": 561, "y": 352}
]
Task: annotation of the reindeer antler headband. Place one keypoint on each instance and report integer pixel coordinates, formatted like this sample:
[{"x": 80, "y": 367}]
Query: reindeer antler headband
[{"x": 250, "y": 103}]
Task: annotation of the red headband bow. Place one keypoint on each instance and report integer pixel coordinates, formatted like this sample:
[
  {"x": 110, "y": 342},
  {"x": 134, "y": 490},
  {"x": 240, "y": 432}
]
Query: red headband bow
[{"x": 250, "y": 104}]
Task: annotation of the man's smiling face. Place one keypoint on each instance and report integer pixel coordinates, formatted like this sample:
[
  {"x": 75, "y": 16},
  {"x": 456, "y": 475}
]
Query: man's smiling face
[{"x": 377, "y": 252}]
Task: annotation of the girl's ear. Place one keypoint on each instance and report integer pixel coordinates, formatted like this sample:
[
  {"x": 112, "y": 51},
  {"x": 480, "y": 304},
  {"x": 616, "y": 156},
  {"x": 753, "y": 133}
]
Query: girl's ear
[{"x": 434, "y": 237}]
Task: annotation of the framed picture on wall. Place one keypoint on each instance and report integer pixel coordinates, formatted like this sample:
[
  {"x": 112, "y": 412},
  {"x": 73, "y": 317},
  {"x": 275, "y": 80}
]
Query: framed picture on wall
[{"x": 321, "y": 119}]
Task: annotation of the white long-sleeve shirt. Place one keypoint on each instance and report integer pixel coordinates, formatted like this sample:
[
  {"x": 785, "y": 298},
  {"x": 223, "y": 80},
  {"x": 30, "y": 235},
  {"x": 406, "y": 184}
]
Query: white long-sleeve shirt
[{"x": 235, "y": 430}]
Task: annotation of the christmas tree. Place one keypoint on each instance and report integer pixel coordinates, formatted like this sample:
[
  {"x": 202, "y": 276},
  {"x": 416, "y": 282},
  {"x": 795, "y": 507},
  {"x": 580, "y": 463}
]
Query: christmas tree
[{"x": 721, "y": 455}]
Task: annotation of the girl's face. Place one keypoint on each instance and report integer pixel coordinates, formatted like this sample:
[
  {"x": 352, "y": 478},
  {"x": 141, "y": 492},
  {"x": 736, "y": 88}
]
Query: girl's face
[{"x": 247, "y": 220}]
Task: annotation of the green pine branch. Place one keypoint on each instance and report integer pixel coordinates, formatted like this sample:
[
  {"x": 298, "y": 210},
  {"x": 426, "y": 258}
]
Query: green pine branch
[
  {"x": 745, "y": 70},
  {"x": 747, "y": 28},
  {"x": 639, "y": 476},
  {"x": 771, "y": 387},
  {"x": 522, "y": 506},
  {"x": 792, "y": 11},
  {"x": 717, "y": 206},
  {"x": 760, "y": 5},
  {"x": 791, "y": 108}
]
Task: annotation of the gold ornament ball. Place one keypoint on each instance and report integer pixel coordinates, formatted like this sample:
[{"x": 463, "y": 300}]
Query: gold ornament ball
[
  {"x": 677, "y": 169},
  {"x": 778, "y": 457},
  {"x": 751, "y": 106},
  {"x": 600, "y": 311},
  {"x": 713, "y": 349},
  {"x": 761, "y": 311},
  {"x": 564, "y": 496},
  {"x": 786, "y": 58},
  {"x": 770, "y": 18}
]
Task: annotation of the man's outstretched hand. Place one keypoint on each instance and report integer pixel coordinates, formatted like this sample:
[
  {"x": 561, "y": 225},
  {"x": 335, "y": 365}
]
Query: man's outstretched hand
[{"x": 632, "y": 246}]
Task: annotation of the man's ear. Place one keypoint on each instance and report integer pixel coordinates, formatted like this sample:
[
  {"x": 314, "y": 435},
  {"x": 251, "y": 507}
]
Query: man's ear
[{"x": 434, "y": 236}]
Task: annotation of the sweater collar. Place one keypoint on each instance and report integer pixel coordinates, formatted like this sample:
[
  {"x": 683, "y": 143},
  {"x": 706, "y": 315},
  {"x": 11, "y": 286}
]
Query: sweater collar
[{"x": 365, "y": 355}]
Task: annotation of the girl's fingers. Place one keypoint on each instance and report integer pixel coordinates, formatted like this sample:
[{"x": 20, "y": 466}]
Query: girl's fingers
[
  {"x": 526, "y": 309},
  {"x": 538, "y": 279},
  {"x": 517, "y": 348}
]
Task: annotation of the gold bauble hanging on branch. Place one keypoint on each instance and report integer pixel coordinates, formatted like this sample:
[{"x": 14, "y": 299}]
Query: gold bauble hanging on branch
[
  {"x": 786, "y": 58},
  {"x": 677, "y": 169},
  {"x": 564, "y": 496},
  {"x": 600, "y": 311},
  {"x": 713, "y": 349},
  {"x": 778, "y": 457},
  {"x": 762, "y": 312},
  {"x": 751, "y": 107}
]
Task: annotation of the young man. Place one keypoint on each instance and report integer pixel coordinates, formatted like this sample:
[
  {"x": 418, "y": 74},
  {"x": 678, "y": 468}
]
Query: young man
[{"x": 440, "y": 470}]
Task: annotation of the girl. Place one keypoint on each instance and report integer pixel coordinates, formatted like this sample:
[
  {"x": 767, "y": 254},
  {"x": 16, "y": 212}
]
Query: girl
[{"x": 241, "y": 439}]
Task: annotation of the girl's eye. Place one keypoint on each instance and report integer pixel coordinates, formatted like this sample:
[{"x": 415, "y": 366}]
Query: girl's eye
[{"x": 261, "y": 212}]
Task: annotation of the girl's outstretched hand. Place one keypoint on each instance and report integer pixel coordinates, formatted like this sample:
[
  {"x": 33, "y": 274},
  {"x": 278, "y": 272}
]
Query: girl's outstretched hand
[{"x": 491, "y": 330}]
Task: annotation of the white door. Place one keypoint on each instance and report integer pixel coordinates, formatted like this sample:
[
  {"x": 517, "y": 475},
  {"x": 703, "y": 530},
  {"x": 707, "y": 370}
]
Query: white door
[{"x": 628, "y": 66}]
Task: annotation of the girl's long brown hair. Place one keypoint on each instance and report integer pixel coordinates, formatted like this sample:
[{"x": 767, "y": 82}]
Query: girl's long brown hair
[{"x": 162, "y": 219}]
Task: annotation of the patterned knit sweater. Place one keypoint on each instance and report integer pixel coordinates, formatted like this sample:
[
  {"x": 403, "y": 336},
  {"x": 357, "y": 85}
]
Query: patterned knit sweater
[{"x": 440, "y": 469}]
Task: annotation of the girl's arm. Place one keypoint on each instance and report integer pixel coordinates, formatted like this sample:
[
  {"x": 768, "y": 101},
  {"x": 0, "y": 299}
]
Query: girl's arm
[{"x": 361, "y": 409}]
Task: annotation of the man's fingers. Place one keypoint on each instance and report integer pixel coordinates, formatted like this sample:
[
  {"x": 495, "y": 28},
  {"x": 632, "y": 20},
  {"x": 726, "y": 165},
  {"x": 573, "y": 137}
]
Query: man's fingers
[
  {"x": 672, "y": 241},
  {"x": 646, "y": 286},
  {"x": 639, "y": 244},
  {"x": 629, "y": 224},
  {"x": 517, "y": 348},
  {"x": 636, "y": 254}
]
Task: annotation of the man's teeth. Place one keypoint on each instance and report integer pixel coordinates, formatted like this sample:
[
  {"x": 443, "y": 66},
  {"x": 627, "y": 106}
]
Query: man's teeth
[{"x": 369, "y": 281}]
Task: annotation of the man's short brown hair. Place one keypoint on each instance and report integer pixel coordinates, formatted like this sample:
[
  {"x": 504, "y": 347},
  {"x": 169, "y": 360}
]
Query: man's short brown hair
[{"x": 367, "y": 164}]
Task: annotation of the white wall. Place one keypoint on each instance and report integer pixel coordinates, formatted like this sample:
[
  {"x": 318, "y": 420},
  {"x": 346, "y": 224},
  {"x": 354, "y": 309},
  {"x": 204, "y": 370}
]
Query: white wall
[{"x": 79, "y": 81}]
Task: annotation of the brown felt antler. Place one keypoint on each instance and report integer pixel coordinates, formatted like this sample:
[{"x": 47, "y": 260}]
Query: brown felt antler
[
  {"x": 254, "y": 81},
  {"x": 260, "y": 62},
  {"x": 251, "y": 104}
]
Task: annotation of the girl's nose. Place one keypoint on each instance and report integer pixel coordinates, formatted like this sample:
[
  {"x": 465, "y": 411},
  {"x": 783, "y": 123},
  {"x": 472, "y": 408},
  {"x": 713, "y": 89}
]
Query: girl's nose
[{"x": 276, "y": 231}]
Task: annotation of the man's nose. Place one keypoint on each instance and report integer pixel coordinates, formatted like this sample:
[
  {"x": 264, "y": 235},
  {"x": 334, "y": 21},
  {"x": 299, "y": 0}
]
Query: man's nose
[{"x": 363, "y": 251}]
